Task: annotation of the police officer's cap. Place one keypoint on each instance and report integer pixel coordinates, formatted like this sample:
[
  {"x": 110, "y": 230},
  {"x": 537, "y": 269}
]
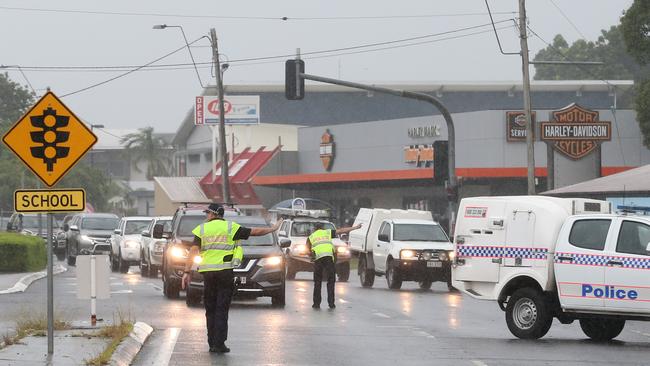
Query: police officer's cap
[{"x": 214, "y": 208}]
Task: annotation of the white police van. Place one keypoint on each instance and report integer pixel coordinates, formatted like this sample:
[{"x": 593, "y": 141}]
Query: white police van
[{"x": 542, "y": 258}]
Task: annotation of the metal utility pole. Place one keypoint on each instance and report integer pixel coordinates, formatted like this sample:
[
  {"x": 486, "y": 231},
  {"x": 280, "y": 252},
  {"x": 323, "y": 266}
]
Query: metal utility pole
[
  {"x": 225, "y": 184},
  {"x": 527, "y": 107}
]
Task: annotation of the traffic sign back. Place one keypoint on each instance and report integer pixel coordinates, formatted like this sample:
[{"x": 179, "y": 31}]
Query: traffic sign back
[{"x": 49, "y": 139}]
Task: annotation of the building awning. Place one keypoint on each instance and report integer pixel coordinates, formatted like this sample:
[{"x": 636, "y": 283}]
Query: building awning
[
  {"x": 630, "y": 181},
  {"x": 182, "y": 189}
]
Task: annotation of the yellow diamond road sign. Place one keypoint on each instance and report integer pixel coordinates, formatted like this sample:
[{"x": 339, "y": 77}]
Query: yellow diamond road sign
[{"x": 49, "y": 139}]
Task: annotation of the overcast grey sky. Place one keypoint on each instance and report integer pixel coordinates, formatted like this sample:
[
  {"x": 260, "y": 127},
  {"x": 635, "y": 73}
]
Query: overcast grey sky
[{"x": 162, "y": 98}]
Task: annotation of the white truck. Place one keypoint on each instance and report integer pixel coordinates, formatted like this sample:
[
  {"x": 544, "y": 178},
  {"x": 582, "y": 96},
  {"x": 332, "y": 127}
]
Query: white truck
[
  {"x": 403, "y": 245},
  {"x": 542, "y": 258}
]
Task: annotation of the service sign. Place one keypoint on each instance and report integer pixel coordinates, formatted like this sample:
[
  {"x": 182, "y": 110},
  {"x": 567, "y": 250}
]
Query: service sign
[
  {"x": 516, "y": 125},
  {"x": 239, "y": 110},
  {"x": 50, "y": 200},
  {"x": 576, "y": 131}
]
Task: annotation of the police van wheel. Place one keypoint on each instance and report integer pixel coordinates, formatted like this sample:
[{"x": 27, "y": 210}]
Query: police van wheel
[
  {"x": 366, "y": 276},
  {"x": 170, "y": 291},
  {"x": 602, "y": 330},
  {"x": 393, "y": 277},
  {"x": 528, "y": 314}
]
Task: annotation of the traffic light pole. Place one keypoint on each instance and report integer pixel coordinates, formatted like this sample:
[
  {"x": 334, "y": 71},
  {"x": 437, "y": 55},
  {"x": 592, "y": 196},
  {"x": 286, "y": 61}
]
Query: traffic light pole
[{"x": 451, "y": 135}]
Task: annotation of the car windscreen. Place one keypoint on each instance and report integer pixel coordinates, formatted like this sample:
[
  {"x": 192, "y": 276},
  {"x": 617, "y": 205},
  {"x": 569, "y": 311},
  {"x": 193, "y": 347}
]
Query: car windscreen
[
  {"x": 32, "y": 221},
  {"x": 307, "y": 228},
  {"x": 418, "y": 232},
  {"x": 99, "y": 223},
  {"x": 256, "y": 241},
  {"x": 187, "y": 224},
  {"x": 136, "y": 227}
]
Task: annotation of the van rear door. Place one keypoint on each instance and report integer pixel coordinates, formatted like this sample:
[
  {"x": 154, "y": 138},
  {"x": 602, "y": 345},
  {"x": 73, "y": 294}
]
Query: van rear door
[
  {"x": 478, "y": 246},
  {"x": 359, "y": 240}
]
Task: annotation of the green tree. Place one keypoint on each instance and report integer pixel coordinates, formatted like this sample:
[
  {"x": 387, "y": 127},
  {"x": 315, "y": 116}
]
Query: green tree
[
  {"x": 145, "y": 147},
  {"x": 635, "y": 25},
  {"x": 14, "y": 100}
]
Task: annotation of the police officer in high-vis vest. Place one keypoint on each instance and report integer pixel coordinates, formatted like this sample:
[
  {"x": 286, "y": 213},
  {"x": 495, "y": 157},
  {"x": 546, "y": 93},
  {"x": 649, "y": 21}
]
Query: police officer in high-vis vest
[
  {"x": 324, "y": 255},
  {"x": 217, "y": 242}
]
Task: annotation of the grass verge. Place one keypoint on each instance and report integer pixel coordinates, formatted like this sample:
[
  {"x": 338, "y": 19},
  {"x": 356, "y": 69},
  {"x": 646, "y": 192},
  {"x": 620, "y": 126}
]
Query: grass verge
[
  {"x": 32, "y": 325},
  {"x": 116, "y": 333}
]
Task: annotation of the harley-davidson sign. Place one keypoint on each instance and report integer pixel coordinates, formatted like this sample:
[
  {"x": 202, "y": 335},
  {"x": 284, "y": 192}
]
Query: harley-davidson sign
[
  {"x": 576, "y": 131},
  {"x": 327, "y": 150}
]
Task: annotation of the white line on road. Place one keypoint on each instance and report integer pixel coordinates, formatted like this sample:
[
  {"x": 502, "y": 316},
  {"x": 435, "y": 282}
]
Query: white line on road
[
  {"x": 122, "y": 292},
  {"x": 393, "y": 326},
  {"x": 381, "y": 315},
  {"x": 479, "y": 363},
  {"x": 343, "y": 301}
]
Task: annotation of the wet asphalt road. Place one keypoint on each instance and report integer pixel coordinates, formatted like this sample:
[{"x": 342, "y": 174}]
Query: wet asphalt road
[{"x": 369, "y": 327}]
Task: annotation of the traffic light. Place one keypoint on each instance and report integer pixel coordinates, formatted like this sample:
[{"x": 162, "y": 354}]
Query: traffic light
[
  {"x": 294, "y": 85},
  {"x": 49, "y": 137},
  {"x": 440, "y": 162}
]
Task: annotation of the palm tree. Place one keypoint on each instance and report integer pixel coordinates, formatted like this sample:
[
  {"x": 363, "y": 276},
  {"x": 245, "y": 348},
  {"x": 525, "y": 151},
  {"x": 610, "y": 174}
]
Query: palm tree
[{"x": 144, "y": 147}]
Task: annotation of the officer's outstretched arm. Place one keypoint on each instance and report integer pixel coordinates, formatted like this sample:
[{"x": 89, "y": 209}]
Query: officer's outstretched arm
[
  {"x": 347, "y": 229},
  {"x": 260, "y": 231}
]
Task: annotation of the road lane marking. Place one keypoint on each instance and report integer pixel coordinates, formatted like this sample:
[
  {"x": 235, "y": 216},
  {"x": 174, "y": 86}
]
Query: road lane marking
[
  {"x": 393, "y": 326},
  {"x": 479, "y": 363},
  {"x": 122, "y": 292},
  {"x": 381, "y": 315},
  {"x": 343, "y": 301}
]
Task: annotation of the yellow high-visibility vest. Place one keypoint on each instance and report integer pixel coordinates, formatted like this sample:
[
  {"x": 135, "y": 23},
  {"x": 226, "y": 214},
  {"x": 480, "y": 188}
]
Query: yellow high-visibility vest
[
  {"x": 321, "y": 243},
  {"x": 217, "y": 242}
]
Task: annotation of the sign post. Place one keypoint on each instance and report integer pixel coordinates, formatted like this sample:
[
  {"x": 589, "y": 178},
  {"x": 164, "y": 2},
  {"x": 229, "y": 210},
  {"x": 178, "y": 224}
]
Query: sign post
[{"x": 49, "y": 139}]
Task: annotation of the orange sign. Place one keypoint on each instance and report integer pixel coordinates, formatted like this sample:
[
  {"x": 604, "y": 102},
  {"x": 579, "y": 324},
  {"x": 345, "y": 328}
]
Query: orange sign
[
  {"x": 49, "y": 139},
  {"x": 327, "y": 150},
  {"x": 576, "y": 131}
]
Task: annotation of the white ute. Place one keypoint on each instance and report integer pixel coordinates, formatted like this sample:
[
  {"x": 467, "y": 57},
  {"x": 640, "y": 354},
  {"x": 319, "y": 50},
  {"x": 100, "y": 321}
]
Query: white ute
[
  {"x": 545, "y": 257},
  {"x": 403, "y": 245}
]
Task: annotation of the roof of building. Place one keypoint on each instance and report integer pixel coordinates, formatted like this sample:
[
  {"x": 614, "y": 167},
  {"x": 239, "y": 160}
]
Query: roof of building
[
  {"x": 630, "y": 181},
  {"x": 339, "y": 105},
  {"x": 182, "y": 189}
]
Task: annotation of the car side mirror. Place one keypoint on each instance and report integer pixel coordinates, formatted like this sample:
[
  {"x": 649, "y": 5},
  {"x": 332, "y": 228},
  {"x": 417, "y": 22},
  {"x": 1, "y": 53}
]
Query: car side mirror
[
  {"x": 117, "y": 231},
  {"x": 66, "y": 227},
  {"x": 158, "y": 231},
  {"x": 282, "y": 233},
  {"x": 383, "y": 237},
  {"x": 145, "y": 233},
  {"x": 285, "y": 243},
  {"x": 74, "y": 228}
]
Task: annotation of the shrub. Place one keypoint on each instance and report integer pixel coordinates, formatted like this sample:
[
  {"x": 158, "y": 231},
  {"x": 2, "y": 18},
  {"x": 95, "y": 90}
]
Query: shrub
[{"x": 22, "y": 253}]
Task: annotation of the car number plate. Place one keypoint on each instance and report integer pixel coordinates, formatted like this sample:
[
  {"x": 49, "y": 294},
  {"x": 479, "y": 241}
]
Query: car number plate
[{"x": 432, "y": 264}]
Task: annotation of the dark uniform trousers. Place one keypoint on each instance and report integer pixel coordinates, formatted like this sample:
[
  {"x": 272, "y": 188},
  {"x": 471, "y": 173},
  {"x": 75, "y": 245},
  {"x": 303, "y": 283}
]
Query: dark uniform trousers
[
  {"x": 217, "y": 295},
  {"x": 324, "y": 266}
]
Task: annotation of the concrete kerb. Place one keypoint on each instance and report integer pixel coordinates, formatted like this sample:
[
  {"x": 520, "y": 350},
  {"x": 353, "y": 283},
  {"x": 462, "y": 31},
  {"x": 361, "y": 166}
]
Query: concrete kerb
[
  {"x": 128, "y": 349},
  {"x": 27, "y": 280}
]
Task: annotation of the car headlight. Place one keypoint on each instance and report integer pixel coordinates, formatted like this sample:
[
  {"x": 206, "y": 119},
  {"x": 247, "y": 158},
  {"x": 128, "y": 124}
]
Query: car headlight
[
  {"x": 452, "y": 255},
  {"x": 443, "y": 256},
  {"x": 178, "y": 252},
  {"x": 130, "y": 244},
  {"x": 270, "y": 261},
  {"x": 85, "y": 238},
  {"x": 198, "y": 259},
  {"x": 342, "y": 250},
  {"x": 408, "y": 254}
]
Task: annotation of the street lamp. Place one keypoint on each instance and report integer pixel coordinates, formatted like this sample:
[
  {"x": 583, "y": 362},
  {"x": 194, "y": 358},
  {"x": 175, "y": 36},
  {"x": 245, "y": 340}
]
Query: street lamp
[
  {"x": 164, "y": 26},
  {"x": 92, "y": 153}
]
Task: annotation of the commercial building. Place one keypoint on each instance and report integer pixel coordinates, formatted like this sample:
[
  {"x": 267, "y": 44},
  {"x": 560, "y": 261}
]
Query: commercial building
[{"x": 357, "y": 149}]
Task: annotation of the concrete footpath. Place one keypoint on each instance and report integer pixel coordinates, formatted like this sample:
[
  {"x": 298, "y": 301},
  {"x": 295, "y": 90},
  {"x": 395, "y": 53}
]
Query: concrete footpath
[
  {"x": 19, "y": 282},
  {"x": 74, "y": 346}
]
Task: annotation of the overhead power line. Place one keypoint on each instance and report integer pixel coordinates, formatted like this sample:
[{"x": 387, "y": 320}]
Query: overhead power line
[
  {"x": 261, "y": 58},
  {"x": 237, "y": 17},
  {"x": 568, "y": 19},
  {"x": 130, "y": 71}
]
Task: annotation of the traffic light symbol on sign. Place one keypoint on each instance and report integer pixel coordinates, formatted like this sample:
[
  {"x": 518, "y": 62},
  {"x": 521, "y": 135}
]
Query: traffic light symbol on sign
[{"x": 48, "y": 137}]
